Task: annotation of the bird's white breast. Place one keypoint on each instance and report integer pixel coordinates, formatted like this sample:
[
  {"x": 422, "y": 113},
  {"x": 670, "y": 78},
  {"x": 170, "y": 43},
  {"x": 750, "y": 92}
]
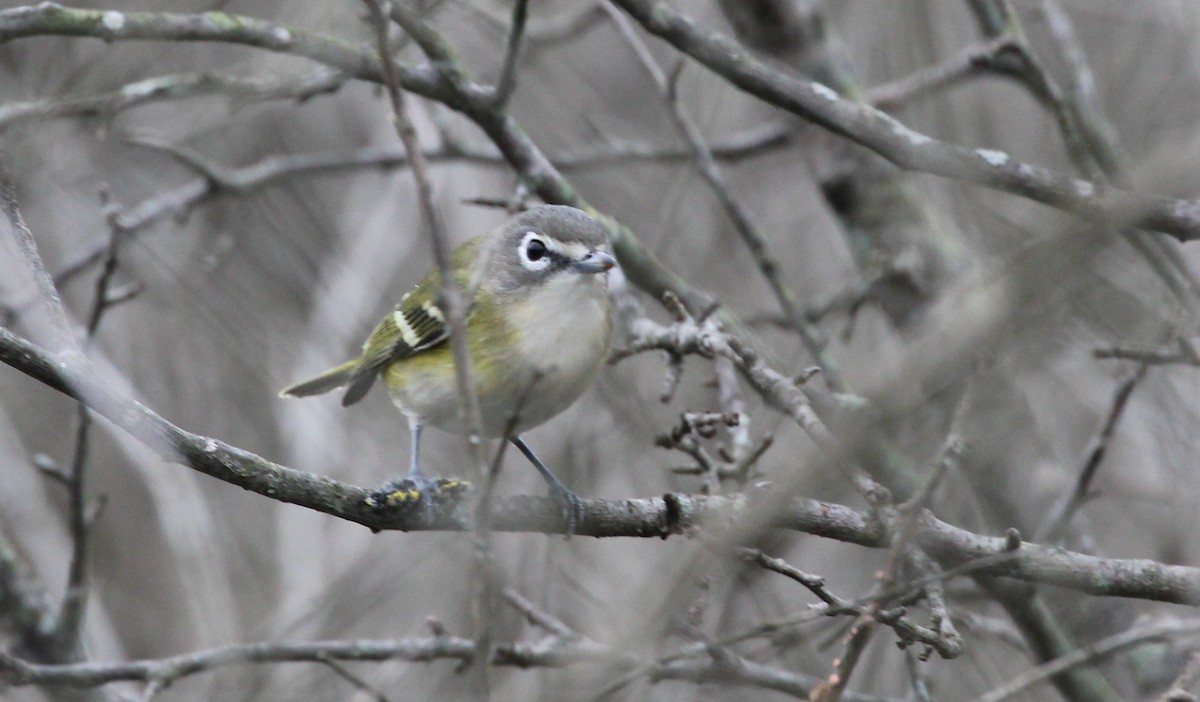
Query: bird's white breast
[{"x": 563, "y": 330}]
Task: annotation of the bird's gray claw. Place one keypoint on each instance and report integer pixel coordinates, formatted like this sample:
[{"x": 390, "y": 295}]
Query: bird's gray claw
[
  {"x": 412, "y": 492},
  {"x": 572, "y": 506}
]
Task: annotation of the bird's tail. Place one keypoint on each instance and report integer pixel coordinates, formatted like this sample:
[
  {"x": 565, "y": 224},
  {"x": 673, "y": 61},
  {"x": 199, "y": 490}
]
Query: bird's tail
[{"x": 333, "y": 378}]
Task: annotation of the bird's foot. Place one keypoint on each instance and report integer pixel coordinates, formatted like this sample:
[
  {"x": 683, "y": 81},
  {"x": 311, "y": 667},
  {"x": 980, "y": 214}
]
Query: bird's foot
[
  {"x": 418, "y": 492},
  {"x": 571, "y": 504}
]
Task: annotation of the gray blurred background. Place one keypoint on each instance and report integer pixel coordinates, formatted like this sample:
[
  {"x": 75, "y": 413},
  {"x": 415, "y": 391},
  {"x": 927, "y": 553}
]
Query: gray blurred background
[{"x": 249, "y": 292}]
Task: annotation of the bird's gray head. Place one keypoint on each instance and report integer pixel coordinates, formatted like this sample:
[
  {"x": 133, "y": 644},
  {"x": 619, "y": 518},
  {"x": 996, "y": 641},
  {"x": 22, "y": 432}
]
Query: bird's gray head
[{"x": 546, "y": 242}]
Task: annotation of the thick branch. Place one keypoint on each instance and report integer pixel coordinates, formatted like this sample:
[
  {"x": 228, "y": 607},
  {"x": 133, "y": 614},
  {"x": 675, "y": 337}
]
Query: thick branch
[
  {"x": 904, "y": 147},
  {"x": 647, "y": 517}
]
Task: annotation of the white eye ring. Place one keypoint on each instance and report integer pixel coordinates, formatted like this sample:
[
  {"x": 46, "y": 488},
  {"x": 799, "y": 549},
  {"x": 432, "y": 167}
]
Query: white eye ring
[{"x": 534, "y": 252}]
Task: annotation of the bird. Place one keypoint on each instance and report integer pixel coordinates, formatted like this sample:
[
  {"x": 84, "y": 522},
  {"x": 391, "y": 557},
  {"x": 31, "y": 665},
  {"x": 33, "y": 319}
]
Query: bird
[{"x": 538, "y": 326}]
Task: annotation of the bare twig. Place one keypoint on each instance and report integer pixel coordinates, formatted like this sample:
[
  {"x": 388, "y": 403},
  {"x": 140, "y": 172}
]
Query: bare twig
[
  {"x": 549, "y": 652},
  {"x": 656, "y": 517},
  {"x": 180, "y": 86},
  {"x": 731, "y": 401},
  {"x": 1052, "y": 528},
  {"x": 907, "y": 631},
  {"x": 538, "y": 616},
  {"x": 60, "y": 325},
  {"x": 949, "y": 643},
  {"x": 1081, "y": 92},
  {"x": 1184, "y": 353},
  {"x": 508, "y": 71},
  {"x": 814, "y": 583},
  {"x": 860, "y": 123},
  {"x": 450, "y": 296},
  {"x": 738, "y": 214},
  {"x": 833, "y": 688},
  {"x": 552, "y": 31},
  {"x": 687, "y": 435},
  {"x": 1100, "y": 649},
  {"x": 450, "y": 300},
  {"x": 902, "y": 146},
  {"x": 970, "y": 62},
  {"x": 706, "y": 338},
  {"x": 358, "y": 682},
  {"x": 941, "y": 637},
  {"x": 74, "y": 602},
  {"x": 435, "y": 47}
]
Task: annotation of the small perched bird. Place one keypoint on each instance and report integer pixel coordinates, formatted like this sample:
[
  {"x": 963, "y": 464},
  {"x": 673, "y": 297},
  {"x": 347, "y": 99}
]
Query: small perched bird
[{"x": 538, "y": 325}]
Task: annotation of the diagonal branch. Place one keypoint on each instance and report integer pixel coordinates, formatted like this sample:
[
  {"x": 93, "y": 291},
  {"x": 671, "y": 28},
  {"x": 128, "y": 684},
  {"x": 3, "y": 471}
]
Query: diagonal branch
[
  {"x": 1100, "y": 649},
  {"x": 508, "y": 71},
  {"x": 812, "y": 101},
  {"x": 59, "y": 321},
  {"x": 906, "y": 148},
  {"x": 735, "y": 210}
]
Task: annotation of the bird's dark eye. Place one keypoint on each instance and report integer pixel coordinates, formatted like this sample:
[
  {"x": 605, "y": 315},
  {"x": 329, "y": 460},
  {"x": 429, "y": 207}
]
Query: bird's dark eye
[{"x": 535, "y": 249}]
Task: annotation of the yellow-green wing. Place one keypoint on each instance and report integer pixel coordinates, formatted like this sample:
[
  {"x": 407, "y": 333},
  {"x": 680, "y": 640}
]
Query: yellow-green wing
[{"x": 414, "y": 325}]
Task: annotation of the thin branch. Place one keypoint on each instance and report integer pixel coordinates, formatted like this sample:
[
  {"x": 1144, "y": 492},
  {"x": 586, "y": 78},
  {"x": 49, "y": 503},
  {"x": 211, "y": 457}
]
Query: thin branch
[
  {"x": 860, "y": 123},
  {"x": 218, "y": 180},
  {"x": 970, "y": 62},
  {"x": 1100, "y": 649},
  {"x": 180, "y": 86},
  {"x": 550, "y": 32},
  {"x": 907, "y": 631},
  {"x": 60, "y": 325},
  {"x": 707, "y": 338},
  {"x": 725, "y": 668},
  {"x": 1089, "y": 145},
  {"x": 359, "y": 683},
  {"x": 919, "y": 686},
  {"x": 906, "y": 148},
  {"x": 508, "y": 71},
  {"x": 167, "y": 670},
  {"x": 550, "y": 652},
  {"x": 833, "y": 688},
  {"x": 738, "y": 214},
  {"x": 451, "y": 301},
  {"x": 538, "y": 616},
  {"x": 450, "y": 296},
  {"x": 642, "y": 517},
  {"x": 1081, "y": 89},
  {"x": 75, "y": 595},
  {"x": 1061, "y": 515},
  {"x": 1184, "y": 353}
]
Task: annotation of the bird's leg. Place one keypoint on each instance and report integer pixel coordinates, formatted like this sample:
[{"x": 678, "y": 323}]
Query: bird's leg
[
  {"x": 416, "y": 488},
  {"x": 572, "y": 506},
  {"x": 414, "y": 465}
]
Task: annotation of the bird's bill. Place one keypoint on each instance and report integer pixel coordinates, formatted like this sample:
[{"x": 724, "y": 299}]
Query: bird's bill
[{"x": 594, "y": 262}]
